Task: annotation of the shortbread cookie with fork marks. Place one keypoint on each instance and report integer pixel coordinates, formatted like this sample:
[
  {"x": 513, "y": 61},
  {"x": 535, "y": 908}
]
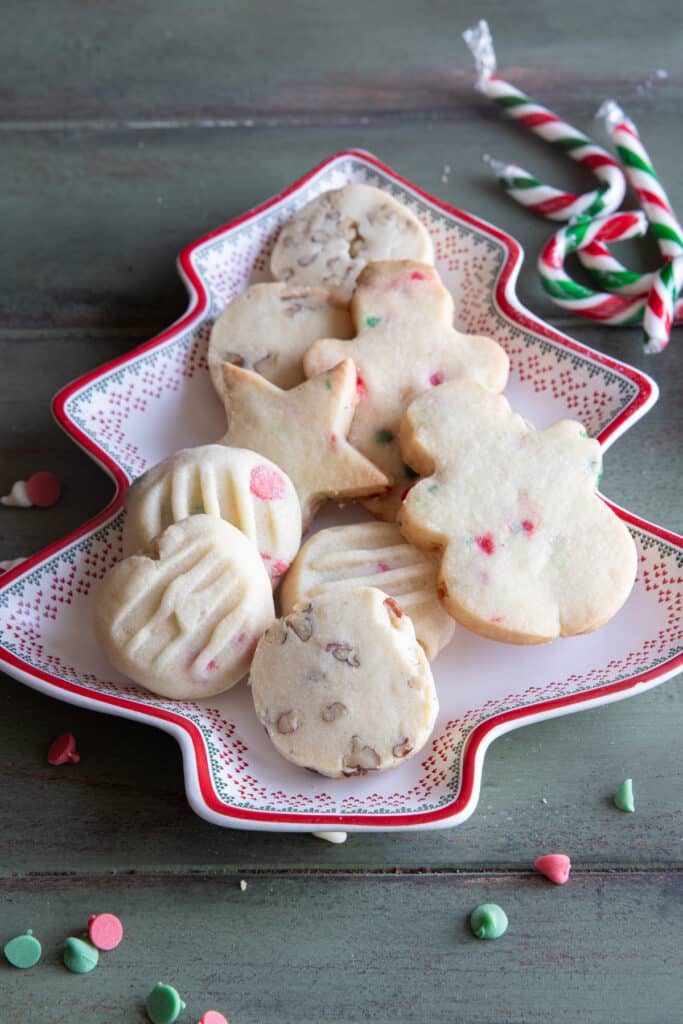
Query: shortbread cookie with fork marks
[
  {"x": 183, "y": 617},
  {"x": 269, "y": 327},
  {"x": 333, "y": 237},
  {"x": 371, "y": 555},
  {"x": 236, "y": 484},
  {"x": 342, "y": 685}
]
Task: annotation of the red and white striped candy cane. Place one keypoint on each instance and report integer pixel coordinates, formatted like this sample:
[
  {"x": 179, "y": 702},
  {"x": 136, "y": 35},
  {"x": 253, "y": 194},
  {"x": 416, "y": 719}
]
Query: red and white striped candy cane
[
  {"x": 662, "y": 306},
  {"x": 570, "y": 294},
  {"x": 545, "y": 200},
  {"x": 605, "y": 270}
]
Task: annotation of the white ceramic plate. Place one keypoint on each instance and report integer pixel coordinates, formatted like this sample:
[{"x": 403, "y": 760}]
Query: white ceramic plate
[{"x": 133, "y": 412}]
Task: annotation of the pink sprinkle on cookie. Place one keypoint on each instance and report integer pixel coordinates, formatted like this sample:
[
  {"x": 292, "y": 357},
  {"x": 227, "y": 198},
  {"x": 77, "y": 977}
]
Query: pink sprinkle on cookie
[
  {"x": 417, "y": 276},
  {"x": 361, "y": 387},
  {"x": 555, "y": 866},
  {"x": 527, "y": 526},
  {"x": 486, "y": 543},
  {"x": 435, "y": 379},
  {"x": 267, "y": 483},
  {"x": 213, "y": 1017},
  {"x": 63, "y": 750},
  {"x": 43, "y": 489},
  {"x": 105, "y": 931}
]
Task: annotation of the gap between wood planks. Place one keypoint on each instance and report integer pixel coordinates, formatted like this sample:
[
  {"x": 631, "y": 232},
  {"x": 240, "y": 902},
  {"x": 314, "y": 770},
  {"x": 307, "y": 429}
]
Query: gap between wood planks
[{"x": 9, "y": 880}]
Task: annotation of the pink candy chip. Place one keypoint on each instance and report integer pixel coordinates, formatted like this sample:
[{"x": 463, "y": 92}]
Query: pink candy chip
[
  {"x": 555, "y": 866},
  {"x": 267, "y": 483},
  {"x": 105, "y": 931},
  {"x": 213, "y": 1017},
  {"x": 43, "y": 489},
  {"x": 63, "y": 750}
]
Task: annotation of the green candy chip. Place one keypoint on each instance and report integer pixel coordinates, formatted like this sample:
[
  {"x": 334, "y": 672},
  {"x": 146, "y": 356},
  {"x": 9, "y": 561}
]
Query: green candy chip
[
  {"x": 163, "y": 1005},
  {"x": 80, "y": 956},
  {"x": 23, "y": 950},
  {"x": 489, "y": 921}
]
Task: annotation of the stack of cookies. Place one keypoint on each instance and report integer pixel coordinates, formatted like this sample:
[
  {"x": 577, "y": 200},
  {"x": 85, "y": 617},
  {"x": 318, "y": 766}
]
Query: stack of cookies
[{"x": 345, "y": 380}]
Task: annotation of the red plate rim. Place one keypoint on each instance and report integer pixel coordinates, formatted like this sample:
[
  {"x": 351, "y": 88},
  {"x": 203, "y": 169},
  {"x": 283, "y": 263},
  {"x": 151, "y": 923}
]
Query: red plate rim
[{"x": 479, "y": 738}]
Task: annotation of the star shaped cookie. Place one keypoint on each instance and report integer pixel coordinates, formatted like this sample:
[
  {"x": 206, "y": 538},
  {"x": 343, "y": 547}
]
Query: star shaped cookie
[
  {"x": 405, "y": 344},
  {"x": 304, "y": 432},
  {"x": 530, "y": 551}
]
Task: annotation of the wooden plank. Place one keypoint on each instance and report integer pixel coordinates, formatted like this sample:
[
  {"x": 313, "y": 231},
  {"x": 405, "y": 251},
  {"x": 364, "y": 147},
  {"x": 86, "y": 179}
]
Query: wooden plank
[
  {"x": 241, "y": 59},
  {"x": 547, "y": 787},
  {"x": 347, "y": 950},
  {"x": 96, "y": 219}
]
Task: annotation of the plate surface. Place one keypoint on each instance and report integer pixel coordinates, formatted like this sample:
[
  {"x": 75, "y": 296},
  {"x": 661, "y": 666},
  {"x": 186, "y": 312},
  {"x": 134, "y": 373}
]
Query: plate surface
[{"x": 133, "y": 412}]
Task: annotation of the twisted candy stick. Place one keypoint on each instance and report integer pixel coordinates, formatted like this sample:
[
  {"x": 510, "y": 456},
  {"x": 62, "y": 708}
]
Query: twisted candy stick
[
  {"x": 520, "y": 184},
  {"x": 663, "y": 287},
  {"x": 607, "y": 271},
  {"x": 609, "y": 309},
  {"x": 662, "y": 306}
]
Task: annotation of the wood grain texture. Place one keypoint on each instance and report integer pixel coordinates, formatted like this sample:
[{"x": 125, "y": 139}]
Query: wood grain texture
[
  {"x": 251, "y": 59},
  {"x": 103, "y": 214},
  {"x": 129, "y": 129},
  {"x": 346, "y": 950}
]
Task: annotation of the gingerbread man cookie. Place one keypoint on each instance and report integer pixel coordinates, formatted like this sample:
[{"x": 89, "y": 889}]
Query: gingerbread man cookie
[
  {"x": 405, "y": 344},
  {"x": 342, "y": 686},
  {"x": 237, "y": 485},
  {"x": 303, "y": 431},
  {"x": 331, "y": 239},
  {"x": 269, "y": 327},
  {"x": 529, "y": 549}
]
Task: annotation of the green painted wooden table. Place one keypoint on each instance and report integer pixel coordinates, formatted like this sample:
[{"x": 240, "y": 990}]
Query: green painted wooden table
[{"x": 127, "y": 130}]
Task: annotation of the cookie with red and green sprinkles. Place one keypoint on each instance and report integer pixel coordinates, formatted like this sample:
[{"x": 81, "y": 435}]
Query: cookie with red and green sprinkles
[
  {"x": 329, "y": 241},
  {"x": 529, "y": 550},
  {"x": 404, "y": 344},
  {"x": 235, "y": 484}
]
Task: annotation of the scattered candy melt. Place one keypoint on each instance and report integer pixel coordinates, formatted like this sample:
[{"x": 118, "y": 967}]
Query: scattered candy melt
[
  {"x": 488, "y": 921},
  {"x": 63, "y": 750},
  {"x": 18, "y": 496},
  {"x": 623, "y": 798},
  {"x": 213, "y": 1017},
  {"x": 331, "y": 837},
  {"x": 80, "y": 956},
  {"x": 163, "y": 1004},
  {"x": 555, "y": 866},
  {"x": 23, "y": 951},
  {"x": 42, "y": 489},
  {"x": 105, "y": 931}
]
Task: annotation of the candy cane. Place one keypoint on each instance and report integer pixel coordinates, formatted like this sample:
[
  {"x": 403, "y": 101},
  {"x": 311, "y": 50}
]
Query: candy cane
[
  {"x": 520, "y": 184},
  {"x": 594, "y": 305},
  {"x": 661, "y": 305}
]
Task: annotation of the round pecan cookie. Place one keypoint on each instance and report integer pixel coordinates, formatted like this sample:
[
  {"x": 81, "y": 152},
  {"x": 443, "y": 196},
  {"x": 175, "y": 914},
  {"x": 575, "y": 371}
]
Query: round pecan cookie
[
  {"x": 269, "y": 327},
  {"x": 342, "y": 685},
  {"x": 182, "y": 617},
  {"x": 330, "y": 240}
]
